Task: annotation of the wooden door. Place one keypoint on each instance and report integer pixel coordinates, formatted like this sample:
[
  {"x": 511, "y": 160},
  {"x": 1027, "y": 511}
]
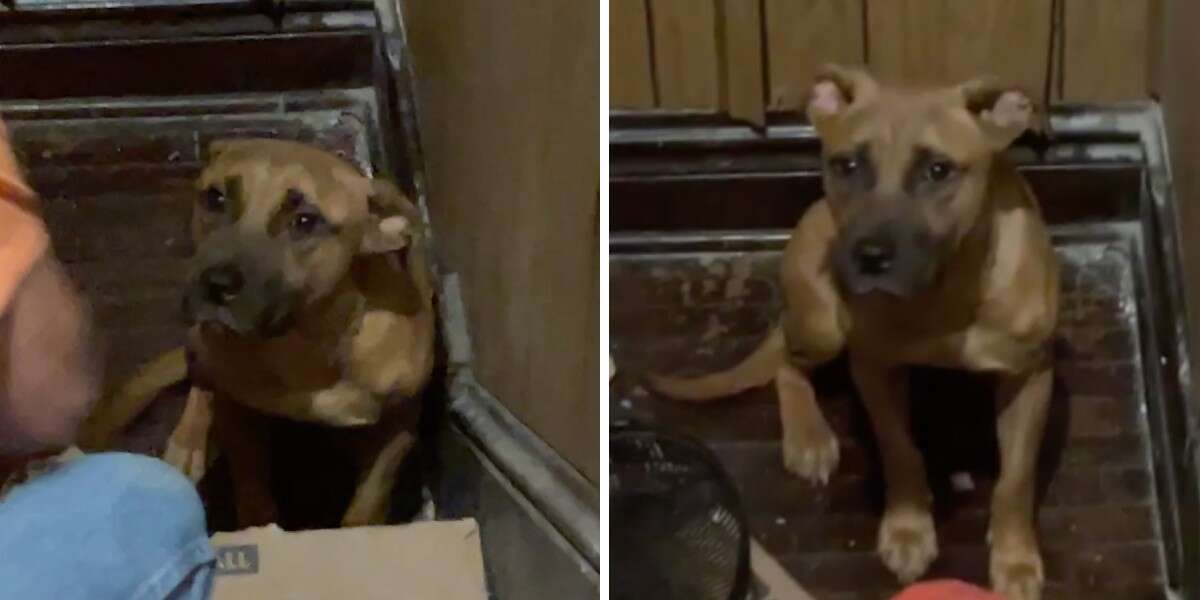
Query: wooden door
[{"x": 746, "y": 59}]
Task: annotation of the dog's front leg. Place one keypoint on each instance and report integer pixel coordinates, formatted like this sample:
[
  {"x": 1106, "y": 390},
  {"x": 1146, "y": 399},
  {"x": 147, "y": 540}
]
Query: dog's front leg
[
  {"x": 188, "y": 448},
  {"x": 1022, "y": 403},
  {"x": 810, "y": 448},
  {"x": 373, "y": 494},
  {"x": 907, "y": 540},
  {"x": 245, "y": 438}
]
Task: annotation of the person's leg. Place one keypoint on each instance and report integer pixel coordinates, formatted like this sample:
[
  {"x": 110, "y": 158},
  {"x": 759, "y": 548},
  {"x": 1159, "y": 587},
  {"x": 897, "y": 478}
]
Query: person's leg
[{"x": 105, "y": 526}]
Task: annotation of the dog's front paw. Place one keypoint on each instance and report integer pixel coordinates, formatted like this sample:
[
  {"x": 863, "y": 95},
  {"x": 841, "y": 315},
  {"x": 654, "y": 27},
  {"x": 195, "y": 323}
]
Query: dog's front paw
[
  {"x": 191, "y": 461},
  {"x": 187, "y": 448},
  {"x": 1017, "y": 572},
  {"x": 346, "y": 405},
  {"x": 364, "y": 512},
  {"x": 811, "y": 452},
  {"x": 257, "y": 514},
  {"x": 907, "y": 542}
]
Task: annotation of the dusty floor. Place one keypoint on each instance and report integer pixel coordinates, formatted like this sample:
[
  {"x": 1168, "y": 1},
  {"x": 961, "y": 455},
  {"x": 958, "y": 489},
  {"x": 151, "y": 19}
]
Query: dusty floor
[{"x": 1098, "y": 519}]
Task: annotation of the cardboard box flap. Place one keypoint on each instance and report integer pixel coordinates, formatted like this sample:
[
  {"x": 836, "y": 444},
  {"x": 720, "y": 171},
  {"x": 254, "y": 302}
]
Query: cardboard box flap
[{"x": 435, "y": 560}]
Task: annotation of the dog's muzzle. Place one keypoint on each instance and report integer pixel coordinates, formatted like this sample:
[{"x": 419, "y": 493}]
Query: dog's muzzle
[
  {"x": 891, "y": 258},
  {"x": 221, "y": 284},
  {"x": 246, "y": 303},
  {"x": 874, "y": 256}
]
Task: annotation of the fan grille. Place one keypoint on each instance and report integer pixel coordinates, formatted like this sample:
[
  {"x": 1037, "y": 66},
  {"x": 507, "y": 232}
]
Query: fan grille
[{"x": 678, "y": 530}]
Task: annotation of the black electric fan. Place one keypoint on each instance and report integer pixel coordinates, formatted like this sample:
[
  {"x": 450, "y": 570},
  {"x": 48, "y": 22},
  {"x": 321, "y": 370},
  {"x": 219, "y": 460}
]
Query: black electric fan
[{"x": 678, "y": 531}]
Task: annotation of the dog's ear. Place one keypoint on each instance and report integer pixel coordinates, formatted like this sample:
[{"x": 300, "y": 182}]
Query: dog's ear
[
  {"x": 836, "y": 88},
  {"x": 1002, "y": 112},
  {"x": 393, "y": 221},
  {"x": 385, "y": 234}
]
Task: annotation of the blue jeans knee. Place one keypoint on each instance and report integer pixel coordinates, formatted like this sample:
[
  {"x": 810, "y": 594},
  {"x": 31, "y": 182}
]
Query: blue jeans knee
[{"x": 110, "y": 525}]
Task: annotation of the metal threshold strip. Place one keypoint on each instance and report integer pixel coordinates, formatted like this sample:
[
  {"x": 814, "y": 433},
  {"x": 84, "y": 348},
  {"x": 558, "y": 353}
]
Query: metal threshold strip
[{"x": 569, "y": 502}]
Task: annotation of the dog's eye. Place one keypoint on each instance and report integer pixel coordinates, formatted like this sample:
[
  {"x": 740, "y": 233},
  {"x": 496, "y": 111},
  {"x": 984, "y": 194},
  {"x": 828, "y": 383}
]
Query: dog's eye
[
  {"x": 306, "y": 222},
  {"x": 213, "y": 200},
  {"x": 843, "y": 166},
  {"x": 940, "y": 170}
]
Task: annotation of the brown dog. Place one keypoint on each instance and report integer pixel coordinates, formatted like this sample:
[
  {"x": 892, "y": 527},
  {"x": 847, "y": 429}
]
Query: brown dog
[
  {"x": 311, "y": 300},
  {"x": 928, "y": 249}
]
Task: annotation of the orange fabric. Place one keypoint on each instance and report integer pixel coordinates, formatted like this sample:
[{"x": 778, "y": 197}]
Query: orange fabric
[
  {"x": 23, "y": 237},
  {"x": 945, "y": 590},
  {"x": 12, "y": 185}
]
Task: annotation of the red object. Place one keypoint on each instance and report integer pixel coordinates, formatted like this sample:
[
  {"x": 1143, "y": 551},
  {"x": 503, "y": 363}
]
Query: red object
[{"x": 945, "y": 590}]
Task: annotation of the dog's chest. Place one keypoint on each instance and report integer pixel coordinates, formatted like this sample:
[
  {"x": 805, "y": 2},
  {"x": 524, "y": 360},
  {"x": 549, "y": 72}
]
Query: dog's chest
[
  {"x": 301, "y": 363},
  {"x": 941, "y": 338}
]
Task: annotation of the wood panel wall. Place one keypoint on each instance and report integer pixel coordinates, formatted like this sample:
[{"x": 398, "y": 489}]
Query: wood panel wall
[
  {"x": 1175, "y": 52},
  {"x": 803, "y": 34},
  {"x": 1174, "y": 58},
  {"x": 507, "y": 102},
  {"x": 1106, "y": 50},
  {"x": 679, "y": 54},
  {"x": 632, "y": 85},
  {"x": 932, "y": 41}
]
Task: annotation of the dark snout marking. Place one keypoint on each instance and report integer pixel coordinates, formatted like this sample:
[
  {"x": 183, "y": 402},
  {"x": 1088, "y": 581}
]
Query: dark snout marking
[
  {"x": 853, "y": 171},
  {"x": 875, "y": 254},
  {"x": 931, "y": 174},
  {"x": 894, "y": 254},
  {"x": 222, "y": 283}
]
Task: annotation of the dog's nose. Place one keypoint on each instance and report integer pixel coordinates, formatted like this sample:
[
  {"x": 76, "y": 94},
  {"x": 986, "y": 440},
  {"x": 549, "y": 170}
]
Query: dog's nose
[
  {"x": 874, "y": 256},
  {"x": 222, "y": 283}
]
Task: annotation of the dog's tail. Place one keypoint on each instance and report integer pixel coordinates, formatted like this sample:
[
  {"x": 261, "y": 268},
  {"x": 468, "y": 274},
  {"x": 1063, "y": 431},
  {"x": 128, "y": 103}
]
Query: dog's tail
[
  {"x": 755, "y": 370},
  {"x": 116, "y": 410}
]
